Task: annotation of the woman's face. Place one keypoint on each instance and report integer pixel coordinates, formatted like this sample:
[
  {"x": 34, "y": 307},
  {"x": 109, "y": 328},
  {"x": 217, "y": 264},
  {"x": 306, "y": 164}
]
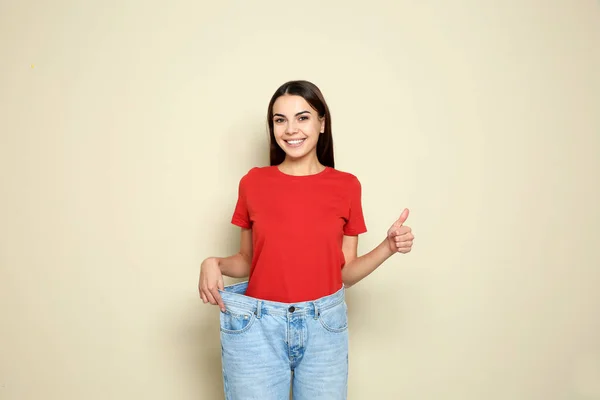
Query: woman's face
[{"x": 296, "y": 126}]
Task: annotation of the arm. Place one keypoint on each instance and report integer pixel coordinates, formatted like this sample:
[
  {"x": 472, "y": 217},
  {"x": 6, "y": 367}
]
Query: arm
[
  {"x": 213, "y": 269},
  {"x": 357, "y": 268},
  {"x": 238, "y": 265},
  {"x": 399, "y": 240},
  {"x": 235, "y": 266}
]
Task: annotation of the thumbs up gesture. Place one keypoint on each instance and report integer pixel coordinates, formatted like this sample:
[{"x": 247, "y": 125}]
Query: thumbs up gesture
[{"x": 399, "y": 236}]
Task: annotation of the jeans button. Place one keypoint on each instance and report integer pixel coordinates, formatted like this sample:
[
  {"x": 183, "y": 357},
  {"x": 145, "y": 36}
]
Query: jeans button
[{"x": 292, "y": 309}]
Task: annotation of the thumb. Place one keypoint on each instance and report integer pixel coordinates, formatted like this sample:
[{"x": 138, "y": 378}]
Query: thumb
[
  {"x": 220, "y": 284},
  {"x": 403, "y": 217}
]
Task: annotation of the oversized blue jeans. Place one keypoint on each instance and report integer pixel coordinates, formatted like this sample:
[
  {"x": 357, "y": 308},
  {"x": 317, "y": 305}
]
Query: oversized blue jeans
[{"x": 269, "y": 346}]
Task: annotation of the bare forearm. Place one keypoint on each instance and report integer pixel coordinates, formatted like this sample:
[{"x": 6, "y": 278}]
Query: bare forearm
[
  {"x": 236, "y": 266},
  {"x": 360, "y": 267}
]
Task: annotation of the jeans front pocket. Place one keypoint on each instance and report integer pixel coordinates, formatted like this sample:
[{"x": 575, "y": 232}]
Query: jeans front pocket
[
  {"x": 236, "y": 321},
  {"x": 335, "y": 319}
]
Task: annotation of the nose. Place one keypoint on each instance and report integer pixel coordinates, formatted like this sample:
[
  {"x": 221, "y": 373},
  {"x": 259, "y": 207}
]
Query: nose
[{"x": 291, "y": 128}]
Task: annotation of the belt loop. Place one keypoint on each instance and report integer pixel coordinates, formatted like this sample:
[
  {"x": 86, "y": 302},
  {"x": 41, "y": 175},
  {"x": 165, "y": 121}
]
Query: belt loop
[
  {"x": 259, "y": 309},
  {"x": 316, "y": 310}
]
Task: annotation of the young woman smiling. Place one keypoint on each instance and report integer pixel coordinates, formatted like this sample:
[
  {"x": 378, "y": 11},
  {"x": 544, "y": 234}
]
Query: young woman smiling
[{"x": 300, "y": 219}]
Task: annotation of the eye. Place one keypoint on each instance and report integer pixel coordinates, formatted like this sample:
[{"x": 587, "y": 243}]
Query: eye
[
  {"x": 303, "y": 118},
  {"x": 278, "y": 120}
]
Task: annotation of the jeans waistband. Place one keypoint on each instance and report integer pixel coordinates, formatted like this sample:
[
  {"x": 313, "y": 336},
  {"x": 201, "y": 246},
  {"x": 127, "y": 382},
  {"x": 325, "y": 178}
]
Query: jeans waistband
[{"x": 233, "y": 295}]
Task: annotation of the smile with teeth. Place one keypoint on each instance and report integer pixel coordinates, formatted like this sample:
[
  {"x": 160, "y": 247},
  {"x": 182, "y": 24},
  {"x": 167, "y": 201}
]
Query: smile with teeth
[{"x": 295, "y": 142}]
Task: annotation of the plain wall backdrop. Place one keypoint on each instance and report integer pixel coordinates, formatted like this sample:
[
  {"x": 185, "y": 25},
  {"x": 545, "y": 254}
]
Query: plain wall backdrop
[{"x": 125, "y": 127}]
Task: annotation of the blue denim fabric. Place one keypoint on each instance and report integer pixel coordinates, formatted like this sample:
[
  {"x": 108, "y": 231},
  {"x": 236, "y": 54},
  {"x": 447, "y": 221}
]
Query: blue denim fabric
[{"x": 268, "y": 346}]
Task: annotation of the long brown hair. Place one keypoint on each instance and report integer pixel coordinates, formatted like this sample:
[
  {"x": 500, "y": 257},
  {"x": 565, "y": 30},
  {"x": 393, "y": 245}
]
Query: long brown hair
[{"x": 313, "y": 96}]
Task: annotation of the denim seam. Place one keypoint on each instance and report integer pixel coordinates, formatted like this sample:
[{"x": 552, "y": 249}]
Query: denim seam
[
  {"x": 334, "y": 330},
  {"x": 282, "y": 312},
  {"x": 244, "y": 329},
  {"x": 287, "y": 342},
  {"x": 337, "y": 303},
  {"x": 246, "y": 313}
]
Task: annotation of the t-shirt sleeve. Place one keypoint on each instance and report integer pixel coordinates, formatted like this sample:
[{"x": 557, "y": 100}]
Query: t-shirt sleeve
[
  {"x": 355, "y": 224},
  {"x": 241, "y": 216}
]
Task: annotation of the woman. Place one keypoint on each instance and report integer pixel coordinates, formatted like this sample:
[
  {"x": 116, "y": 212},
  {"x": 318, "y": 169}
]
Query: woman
[{"x": 300, "y": 219}]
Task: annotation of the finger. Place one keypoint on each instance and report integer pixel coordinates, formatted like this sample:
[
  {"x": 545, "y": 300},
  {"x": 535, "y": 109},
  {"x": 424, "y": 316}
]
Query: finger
[
  {"x": 202, "y": 289},
  {"x": 218, "y": 298},
  {"x": 221, "y": 286},
  {"x": 408, "y": 243},
  {"x": 403, "y": 246},
  {"x": 397, "y": 232},
  {"x": 210, "y": 297},
  {"x": 403, "y": 216},
  {"x": 404, "y": 229},
  {"x": 404, "y": 237}
]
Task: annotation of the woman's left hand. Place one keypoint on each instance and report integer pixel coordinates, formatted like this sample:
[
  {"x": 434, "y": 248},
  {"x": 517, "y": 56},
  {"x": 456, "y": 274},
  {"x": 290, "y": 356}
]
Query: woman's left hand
[{"x": 399, "y": 236}]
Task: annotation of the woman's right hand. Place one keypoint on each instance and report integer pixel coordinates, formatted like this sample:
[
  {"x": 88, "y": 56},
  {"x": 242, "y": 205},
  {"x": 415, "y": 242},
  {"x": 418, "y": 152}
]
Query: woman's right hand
[{"x": 211, "y": 280}]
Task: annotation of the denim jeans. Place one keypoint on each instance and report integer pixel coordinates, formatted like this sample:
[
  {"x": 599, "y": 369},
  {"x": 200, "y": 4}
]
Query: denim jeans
[{"x": 267, "y": 346}]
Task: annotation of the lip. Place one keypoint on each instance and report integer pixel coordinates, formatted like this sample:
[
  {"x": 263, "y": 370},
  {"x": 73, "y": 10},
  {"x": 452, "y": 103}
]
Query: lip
[{"x": 294, "y": 145}]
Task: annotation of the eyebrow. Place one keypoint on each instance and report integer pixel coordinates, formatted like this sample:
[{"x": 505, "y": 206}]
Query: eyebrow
[{"x": 301, "y": 112}]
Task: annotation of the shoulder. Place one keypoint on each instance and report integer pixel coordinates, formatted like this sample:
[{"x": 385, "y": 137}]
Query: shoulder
[
  {"x": 346, "y": 177},
  {"x": 255, "y": 173}
]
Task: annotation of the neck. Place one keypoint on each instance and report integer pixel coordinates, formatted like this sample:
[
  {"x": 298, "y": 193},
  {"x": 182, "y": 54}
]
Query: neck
[{"x": 303, "y": 166}]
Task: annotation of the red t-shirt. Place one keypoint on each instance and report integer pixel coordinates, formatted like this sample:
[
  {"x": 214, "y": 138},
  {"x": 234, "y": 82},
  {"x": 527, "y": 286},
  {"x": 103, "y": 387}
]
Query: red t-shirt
[{"x": 298, "y": 223}]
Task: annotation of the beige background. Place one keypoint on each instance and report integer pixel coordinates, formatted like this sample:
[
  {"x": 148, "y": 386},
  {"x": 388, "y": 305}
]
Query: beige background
[{"x": 126, "y": 125}]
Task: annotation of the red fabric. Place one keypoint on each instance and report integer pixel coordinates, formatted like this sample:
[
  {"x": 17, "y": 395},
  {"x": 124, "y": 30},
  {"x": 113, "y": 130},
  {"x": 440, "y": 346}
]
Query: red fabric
[{"x": 298, "y": 223}]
